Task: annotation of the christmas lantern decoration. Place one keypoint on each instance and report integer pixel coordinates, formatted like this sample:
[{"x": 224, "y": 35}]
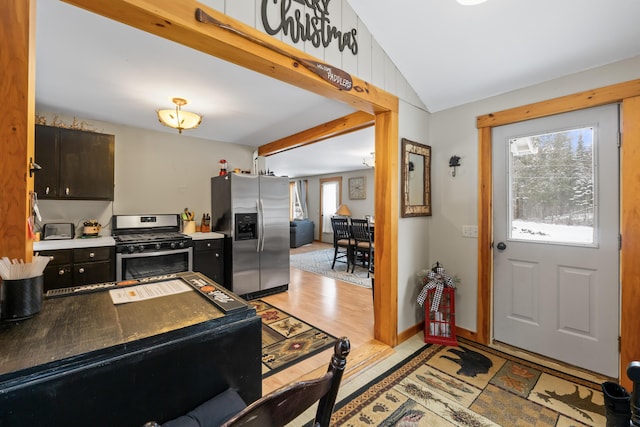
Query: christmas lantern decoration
[{"x": 438, "y": 299}]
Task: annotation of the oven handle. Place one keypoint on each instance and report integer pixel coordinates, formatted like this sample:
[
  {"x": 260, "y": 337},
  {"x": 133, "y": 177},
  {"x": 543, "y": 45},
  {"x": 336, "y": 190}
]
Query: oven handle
[{"x": 150, "y": 254}]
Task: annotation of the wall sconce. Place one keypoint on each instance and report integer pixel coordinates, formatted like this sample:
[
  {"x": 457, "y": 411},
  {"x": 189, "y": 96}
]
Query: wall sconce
[
  {"x": 179, "y": 119},
  {"x": 454, "y": 162}
]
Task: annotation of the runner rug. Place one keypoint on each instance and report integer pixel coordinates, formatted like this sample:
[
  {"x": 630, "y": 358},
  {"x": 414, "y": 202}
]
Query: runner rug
[
  {"x": 287, "y": 340},
  {"x": 471, "y": 385},
  {"x": 319, "y": 262}
]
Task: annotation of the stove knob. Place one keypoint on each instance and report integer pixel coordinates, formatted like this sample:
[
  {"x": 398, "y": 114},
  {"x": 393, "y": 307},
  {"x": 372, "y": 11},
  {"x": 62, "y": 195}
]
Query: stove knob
[
  {"x": 173, "y": 245},
  {"x": 157, "y": 246},
  {"x": 181, "y": 244},
  {"x": 141, "y": 248},
  {"x": 131, "y": 249}
]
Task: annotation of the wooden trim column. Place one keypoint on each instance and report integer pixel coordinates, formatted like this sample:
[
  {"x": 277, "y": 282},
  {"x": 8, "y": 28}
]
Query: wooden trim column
[
  {"x": 17, "y": 92},
  {"x": 630, "y": 230}
]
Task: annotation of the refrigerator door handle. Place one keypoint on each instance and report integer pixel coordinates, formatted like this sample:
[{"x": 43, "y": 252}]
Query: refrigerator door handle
[
  {"x": 258, "y": 225},
  {"x": 262, "y": 228}
]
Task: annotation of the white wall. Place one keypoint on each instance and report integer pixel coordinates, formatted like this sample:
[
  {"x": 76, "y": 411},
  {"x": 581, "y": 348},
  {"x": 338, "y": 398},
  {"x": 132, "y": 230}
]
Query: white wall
[
  {"x": 455, "y": 200},
  {"x": 155, "y": 173},
  {"x": 414, "y": 233}
]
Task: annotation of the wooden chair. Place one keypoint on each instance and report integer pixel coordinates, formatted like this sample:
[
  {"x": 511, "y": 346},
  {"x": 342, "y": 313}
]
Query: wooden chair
[
  {"x": 279, "y": 407},
  {"x": 342, "y": 241},
  {"x": 361, "y": 234}
]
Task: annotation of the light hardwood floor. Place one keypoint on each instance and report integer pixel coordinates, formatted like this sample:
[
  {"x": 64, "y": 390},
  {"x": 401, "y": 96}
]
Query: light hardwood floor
[{"x": 336, "y": 307}]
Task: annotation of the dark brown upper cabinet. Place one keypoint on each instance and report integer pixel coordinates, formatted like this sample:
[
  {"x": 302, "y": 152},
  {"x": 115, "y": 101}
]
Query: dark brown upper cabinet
[{"x": 76, "y": 164}]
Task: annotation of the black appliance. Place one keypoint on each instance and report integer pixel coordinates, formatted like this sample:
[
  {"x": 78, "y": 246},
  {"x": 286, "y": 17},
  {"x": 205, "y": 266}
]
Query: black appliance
[{"x": 150, "y": 245}]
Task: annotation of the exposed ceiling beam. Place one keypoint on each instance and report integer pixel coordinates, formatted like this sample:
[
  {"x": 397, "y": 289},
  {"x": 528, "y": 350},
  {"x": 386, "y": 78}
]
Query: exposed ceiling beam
[{"x": 341, "y": 126}]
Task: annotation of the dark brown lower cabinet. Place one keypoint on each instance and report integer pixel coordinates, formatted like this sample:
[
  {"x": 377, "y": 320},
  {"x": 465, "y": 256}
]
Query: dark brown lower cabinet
[
  {"x": 80, "y": 266},
  {"x": 208, "y": 259}
]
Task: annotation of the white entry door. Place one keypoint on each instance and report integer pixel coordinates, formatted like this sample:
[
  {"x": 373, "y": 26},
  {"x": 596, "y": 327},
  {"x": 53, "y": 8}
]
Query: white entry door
[{"x": 556, "y": 237}]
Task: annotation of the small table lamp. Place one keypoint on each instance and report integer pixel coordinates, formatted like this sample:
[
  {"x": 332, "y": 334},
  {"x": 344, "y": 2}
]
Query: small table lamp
[{"x": 343, "y": 210}]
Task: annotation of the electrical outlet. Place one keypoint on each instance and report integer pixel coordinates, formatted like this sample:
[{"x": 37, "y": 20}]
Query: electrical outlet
[{"x": 469, "y": 231}]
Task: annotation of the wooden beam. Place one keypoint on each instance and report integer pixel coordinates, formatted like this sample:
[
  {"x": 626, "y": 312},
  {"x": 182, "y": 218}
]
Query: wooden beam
[
  {"x": 590, "y": 98},
  {"x": 176, "y": 21},
  {"x": 630, "y": 230},
  {"x": 385, "y": 299},
  {"x": 17, "y": 91},
  {"x": 341, "y": 126}
]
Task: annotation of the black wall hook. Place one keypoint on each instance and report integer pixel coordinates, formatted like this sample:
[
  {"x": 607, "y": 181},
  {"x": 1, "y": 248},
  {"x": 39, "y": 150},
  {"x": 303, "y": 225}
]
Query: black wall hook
[{"x": 454, "y": 162}]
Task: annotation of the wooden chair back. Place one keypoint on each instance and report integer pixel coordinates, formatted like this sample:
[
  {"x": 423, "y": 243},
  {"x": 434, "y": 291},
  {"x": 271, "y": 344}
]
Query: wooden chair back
[
  {"x": 287, "y": 403},
  {"x": 340, "y": 227},
  {"x": 360, "y": 230}
]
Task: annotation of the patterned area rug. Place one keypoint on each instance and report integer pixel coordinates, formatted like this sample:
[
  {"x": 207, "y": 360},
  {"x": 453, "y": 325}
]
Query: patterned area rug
[
  {"x": 287, "y": 340},
  {"x": 471, "y": 385},
  {"x": 319, "y": 262}
]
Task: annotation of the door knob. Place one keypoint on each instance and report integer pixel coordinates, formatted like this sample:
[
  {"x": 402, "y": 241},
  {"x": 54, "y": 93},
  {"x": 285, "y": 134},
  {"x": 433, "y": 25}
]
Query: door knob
[{"x": 501, "y": 246}]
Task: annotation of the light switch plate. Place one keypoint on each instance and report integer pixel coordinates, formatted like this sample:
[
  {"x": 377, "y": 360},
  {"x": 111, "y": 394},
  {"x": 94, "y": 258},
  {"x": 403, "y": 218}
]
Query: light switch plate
[{"x": 470, "y": 231}]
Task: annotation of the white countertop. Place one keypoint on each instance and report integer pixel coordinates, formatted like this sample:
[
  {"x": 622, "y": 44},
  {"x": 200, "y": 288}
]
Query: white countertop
[
  {"x": 92, "y": 242},
  {"x": 205, "y": 236}
]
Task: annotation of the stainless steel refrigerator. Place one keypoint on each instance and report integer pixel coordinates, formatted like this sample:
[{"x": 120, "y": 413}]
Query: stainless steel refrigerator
[{"x": 253, "y": 213}]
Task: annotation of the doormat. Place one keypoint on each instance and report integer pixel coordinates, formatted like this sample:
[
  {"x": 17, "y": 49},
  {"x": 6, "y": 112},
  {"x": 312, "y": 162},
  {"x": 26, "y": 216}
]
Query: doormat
[
  {"x": 286, "y": 340},
  {"x": 319, "y": 262},
  {"x": 472, "y": 385}
]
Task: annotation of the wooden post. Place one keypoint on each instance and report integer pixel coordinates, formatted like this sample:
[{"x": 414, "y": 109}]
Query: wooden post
[{"x": 17, "y": 109}]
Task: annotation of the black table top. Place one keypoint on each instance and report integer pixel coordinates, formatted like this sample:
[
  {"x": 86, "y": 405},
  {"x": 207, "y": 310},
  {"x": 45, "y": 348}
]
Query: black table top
[{"x": 72, "y": 327}]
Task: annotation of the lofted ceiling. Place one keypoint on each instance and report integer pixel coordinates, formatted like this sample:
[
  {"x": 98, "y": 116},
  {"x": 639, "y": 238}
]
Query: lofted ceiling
[
  {"x": 453, "y": 54},
  {"x": 93, "y": 68}
]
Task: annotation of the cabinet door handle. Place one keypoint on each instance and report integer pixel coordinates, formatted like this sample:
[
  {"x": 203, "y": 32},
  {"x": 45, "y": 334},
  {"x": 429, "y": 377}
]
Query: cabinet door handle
[
  {"x": 208, "y": 245},
  {"x": 66, "y": 191},
  {"x": 81, "y": 270},
  {"x": 61, "y": 272},
  {"x": 46, "y": 190},
  {"x": 51, "y": 257},
  {"x": 217, "y": 255},
  {"x": 91, "y": 254}
]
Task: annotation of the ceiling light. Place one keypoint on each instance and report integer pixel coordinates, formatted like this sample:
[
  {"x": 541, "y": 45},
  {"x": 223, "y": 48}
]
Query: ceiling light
[
  {"x": 179, "y": 119},
  {"x": 470, "y": 2}
]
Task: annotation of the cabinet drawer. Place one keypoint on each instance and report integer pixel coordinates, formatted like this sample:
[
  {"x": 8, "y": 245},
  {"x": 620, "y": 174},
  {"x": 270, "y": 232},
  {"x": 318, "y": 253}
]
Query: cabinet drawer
[
  {"x": 61, "y": 256},
  {"x": 203, "y": 245},
  {"x": 92, "y": 254},
  {"x": 92, "y": 272}
]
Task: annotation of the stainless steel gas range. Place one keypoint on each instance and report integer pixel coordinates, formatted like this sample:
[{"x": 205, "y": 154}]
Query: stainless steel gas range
[{"x": 150, "y": 245}]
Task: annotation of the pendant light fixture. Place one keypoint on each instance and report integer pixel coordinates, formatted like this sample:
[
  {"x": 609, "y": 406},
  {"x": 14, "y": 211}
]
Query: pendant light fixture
[{"x": 178, "y": 118}]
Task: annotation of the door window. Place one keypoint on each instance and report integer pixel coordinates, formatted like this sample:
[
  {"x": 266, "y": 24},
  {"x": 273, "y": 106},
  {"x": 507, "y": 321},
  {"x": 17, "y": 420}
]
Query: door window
[{"x": 552, "y": 187}]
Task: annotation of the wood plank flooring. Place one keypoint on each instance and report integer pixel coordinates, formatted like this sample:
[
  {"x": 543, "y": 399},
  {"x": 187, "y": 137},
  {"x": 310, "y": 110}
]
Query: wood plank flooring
[{"x": 338, "y": 308}]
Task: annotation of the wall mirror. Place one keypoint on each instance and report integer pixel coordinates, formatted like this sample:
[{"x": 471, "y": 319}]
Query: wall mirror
[{"x": 416, "y": 179}]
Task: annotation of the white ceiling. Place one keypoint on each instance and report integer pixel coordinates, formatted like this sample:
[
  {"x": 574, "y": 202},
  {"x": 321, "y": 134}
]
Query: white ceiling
[
  {"x": 453, "y": 54},
  {"x": 94, "y": 68}
]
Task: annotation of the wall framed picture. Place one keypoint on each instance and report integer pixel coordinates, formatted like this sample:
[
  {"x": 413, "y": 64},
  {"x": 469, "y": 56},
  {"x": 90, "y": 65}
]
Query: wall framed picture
[{"x": 357, "y": 188}]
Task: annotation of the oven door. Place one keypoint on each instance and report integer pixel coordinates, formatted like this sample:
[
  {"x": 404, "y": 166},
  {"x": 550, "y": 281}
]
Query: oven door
[{"x": 147, "y": 264}]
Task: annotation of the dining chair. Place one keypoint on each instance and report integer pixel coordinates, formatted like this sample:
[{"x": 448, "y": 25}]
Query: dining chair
[
  {"x": 364, "y": 246},
  {"x": 343, "y": 243},
  {"x": 277, "y": 408}
]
